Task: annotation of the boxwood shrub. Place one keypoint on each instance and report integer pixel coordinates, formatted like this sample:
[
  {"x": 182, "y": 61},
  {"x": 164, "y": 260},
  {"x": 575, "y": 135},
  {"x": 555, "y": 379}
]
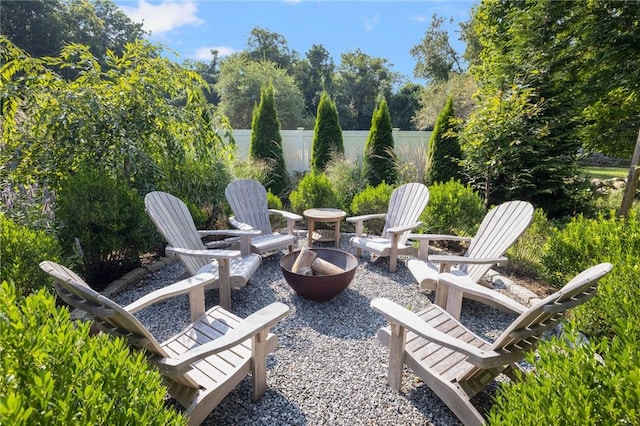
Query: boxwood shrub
[
  {"x": 576, "y": 383},
  {"x": 585, "y": 242},
  {"x": 52, "y": 372},
  {"x": 371, "y": 200},
  {"x": 21, "y": 250}
]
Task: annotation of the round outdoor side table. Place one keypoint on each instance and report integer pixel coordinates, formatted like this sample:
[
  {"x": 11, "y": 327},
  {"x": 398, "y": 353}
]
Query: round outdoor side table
[{"x": 323, "y": 215}]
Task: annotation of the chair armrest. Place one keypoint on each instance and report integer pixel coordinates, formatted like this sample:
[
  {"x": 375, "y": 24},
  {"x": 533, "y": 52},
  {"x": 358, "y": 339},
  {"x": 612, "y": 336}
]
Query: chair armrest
[
  {"x": 456, "y": 260},
  {"x": 404, "y": 228},
  {"x": 286, "y": 215},
  {"x": 212, "y": 254},
  {"x": 366, "y": 217},
  {"x": 264, "y": 319},
  {"x": 179, "y": 288},
  {"x": 481, "y": 293},
  {"x": 396, "y": 314},
  {"x": 239, "y": 225},
  {"x": 231, "y": 232},
  {"x": 436, "y": 237}
]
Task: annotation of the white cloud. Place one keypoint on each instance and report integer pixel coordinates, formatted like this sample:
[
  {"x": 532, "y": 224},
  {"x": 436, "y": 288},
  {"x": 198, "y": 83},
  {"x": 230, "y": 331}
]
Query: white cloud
[
  {"x": 204, "y": 53},
  {"x": 370, "y": 23},
  {"x": 419, "y": 18},
  {"x": 163, "y": 17}
]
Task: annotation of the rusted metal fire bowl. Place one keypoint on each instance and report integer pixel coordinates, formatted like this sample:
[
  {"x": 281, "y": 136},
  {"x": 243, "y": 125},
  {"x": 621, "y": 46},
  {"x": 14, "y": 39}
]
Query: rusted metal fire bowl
[{"x": 320, "y": 287}]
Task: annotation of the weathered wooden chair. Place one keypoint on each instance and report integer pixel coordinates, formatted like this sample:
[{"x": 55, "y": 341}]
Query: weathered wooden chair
[
  {"x": 232, "y": 267},
  {"x": 405, "y": 206},
  {"x": 455, "y": 363},
  {"x": 248, "y": 201},
  {"x": 498, "y": 231},
  {"x": 202, "y": 363}
]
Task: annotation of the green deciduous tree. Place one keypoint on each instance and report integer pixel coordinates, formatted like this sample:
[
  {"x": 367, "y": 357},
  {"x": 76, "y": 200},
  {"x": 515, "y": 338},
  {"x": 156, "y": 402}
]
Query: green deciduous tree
[
  {"x": 404, "y": 104},
  {"x": 239, "y": 85},
  {"x": 265, "y": 45},
  {"x": 266, "y": 141},
  {"x": 327, "y": 134},
  {"x": 435, "y": 58},
  {"x": 123, "y": 119},
  {"x": 444, "y": 148},
  {"x": 379, "y": 156},
  {"x": 360, "y": 80},
  {"x": 433, "y": 98},
  {"x": 314, "y": 75}
]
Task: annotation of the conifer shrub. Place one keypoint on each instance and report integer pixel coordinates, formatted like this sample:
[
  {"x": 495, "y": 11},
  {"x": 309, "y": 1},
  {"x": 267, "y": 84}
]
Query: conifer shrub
[
  {"x": 266, "y": 142},
  {"x": 576, "y": 383},
  {"x": 453, "y": 208},
  {"x": 109, "y": 222},
  {"x": 55, "y": 373},
  {"x": 314, "y": 190},
  {"x": 379, "y": 155},
  {"x": 327, "y": 134},
  {"x": 372, "y": 200},
  {"x": 585, "y": 242},
  {"x": 21, "y": 250},
  {"x": 444, "y": 148}
]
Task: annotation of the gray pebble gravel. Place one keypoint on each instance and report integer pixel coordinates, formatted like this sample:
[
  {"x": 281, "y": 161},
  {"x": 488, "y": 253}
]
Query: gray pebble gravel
[{"x": 328, "y": 369}]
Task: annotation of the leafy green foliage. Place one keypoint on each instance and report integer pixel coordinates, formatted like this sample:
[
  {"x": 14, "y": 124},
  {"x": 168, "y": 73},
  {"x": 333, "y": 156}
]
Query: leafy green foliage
[
  {"x": 266, "y": 141},
  {"x": 576, "y": 383},
  {"x": 29, "y": 205},
  {"x": 55, "y": 373},
  {"x": 239, "y": 86},
  {"x": 346, "y": 179},
  {"x": 141, "y": 118},
  {"x": 444, "y": 148},
  {"x": 434, "y": 97},
  {"x": 371, "y": 200},
  {"x": 360, "y": 80},
  {"x": 525, "y": 255},
  {"x": 404, "y": 105},
  {"x": 379, "y": 156},
  {"x": 327, "y": 134},
  {"x": 109, "y": 221},
  {"x": 21, "y": 249},
  {"x": 314, "y": 190},
  {"x": 453, "y": 208},
  {"x": 436, "y": 60},
  {"x": 584, "y": 242}
]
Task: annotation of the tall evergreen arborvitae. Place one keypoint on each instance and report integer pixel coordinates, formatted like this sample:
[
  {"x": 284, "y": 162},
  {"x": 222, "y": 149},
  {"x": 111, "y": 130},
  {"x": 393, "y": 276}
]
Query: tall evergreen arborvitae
[
  {"x": 379, "y": 156},
  {"x": 266, "y": 141},
  {"x": 444, "y": 149},
  {"x": 327, "y": 134}
]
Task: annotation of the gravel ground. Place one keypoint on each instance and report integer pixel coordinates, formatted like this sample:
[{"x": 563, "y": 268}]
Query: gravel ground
[{"x": 328, "y": 369}]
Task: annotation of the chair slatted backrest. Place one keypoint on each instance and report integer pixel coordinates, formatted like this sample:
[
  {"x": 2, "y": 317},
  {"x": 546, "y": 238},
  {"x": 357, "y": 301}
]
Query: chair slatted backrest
[
  {"x": 173, "y": 220},
  {"x": 498, "y": 231},
  {"x": 107, "y": 315},
  {"x": 405, "y": 207},
  {"x": 524, "y": 334},
  {"x": 248, "y": 201}
]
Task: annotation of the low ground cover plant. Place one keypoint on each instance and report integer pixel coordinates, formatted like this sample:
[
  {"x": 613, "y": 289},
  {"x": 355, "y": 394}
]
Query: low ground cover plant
[{"x": 53, "y": 372}]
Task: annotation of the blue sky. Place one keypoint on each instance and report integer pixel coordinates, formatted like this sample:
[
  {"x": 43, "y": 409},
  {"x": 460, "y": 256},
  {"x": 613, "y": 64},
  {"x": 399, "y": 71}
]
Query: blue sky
[{"x": 384, "y": 29}]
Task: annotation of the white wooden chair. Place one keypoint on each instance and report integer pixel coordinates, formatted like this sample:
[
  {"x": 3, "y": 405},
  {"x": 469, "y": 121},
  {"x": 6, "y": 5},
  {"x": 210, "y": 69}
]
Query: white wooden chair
[
  {"x": 202, "y": 363},
  {"x": 232, "y": 267},
  {"x": 454, "y": 362},
  {"x": 248, "y": 201},
  {"x": 405, "y": 206},
  {"x": 498, "y": 231}
]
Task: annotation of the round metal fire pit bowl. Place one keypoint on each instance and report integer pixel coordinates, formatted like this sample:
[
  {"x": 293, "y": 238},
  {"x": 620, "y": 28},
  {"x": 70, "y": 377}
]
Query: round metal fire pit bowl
[{"x": 320, "y": 287}]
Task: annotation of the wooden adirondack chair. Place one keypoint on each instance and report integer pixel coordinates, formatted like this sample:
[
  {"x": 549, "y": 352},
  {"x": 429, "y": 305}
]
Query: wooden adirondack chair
[
  {"x": 498, "y": 231},
  {"x": 405, "y": 206},
  {"x": 248, "y": 201},
  {"x": 232, "y": 267},
  {"x": 454, "y": 362},
  {"x": 202, "y": 363}
]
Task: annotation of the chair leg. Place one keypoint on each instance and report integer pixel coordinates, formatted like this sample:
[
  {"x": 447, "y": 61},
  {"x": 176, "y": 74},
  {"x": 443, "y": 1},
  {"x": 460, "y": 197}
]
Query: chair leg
[
  {"x": 259, "y": 365},
  {"x": 396, "y": 356}
]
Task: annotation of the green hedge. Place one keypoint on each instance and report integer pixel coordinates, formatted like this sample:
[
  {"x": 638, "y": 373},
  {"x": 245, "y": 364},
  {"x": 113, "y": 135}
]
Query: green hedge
[
  {"x": 576, "y": 384},
  {"x": 585, "y": 242},
  {"x": 53, "y": 372},
  {"x": 372, "y": 200},
  {"x": 21, "y": 250}
]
